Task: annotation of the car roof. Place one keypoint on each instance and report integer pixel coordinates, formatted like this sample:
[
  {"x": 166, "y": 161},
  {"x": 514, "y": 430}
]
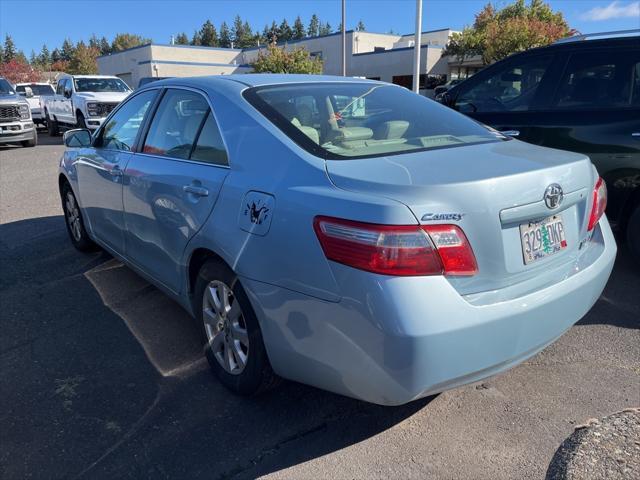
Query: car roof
[
  {"x": 579, "y": 44},
  {"x": 88, "y": 76},
  {"x": 260, "y": 79}
]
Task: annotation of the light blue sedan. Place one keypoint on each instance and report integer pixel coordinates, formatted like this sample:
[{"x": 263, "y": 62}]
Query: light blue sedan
[{"x": 342, "y": 233}]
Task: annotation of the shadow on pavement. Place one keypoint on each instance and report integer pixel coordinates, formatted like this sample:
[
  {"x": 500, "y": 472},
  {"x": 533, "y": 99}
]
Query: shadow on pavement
[
  {"x": 102, "y": 376},
  {"x": 44, "y": 139},
  {"x": 619, "y": 304}
]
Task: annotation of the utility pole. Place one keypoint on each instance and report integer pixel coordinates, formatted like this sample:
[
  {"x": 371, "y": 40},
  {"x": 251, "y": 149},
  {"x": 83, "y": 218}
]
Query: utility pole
[
  {"x": 416, "y": 47},
  {"x": 344, "y": 40}
]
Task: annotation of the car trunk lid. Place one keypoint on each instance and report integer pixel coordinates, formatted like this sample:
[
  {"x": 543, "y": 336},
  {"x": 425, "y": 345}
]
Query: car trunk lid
[{"x": 489, "y": 190}]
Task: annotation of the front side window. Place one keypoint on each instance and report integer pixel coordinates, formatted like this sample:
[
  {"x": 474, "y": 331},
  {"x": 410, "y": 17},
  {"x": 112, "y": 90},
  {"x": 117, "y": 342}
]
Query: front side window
[
  {"x": 60, "y": 87},
  {"x": 97, "y": 84},
  {"x": 599, "y": 80},
  {"x": 176, "y": 124},
  {"x": 508, "y": 89},
  {"x": 349, "y": 120},
  {"x": 120, "y": 131}
]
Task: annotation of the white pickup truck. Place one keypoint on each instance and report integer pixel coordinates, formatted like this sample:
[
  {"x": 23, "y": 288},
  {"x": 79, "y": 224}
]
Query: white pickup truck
[
  {"x": 83, "y": 101},
  {"x": 36, "y": 99}
]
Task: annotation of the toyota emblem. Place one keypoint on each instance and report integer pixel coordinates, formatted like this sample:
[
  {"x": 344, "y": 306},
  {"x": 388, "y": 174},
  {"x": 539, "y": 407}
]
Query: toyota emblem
[{"x": 553, "y": 196}]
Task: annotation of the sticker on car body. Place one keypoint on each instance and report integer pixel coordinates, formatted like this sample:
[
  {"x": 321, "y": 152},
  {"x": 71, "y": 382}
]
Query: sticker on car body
[{"x": 256, "y": 212}]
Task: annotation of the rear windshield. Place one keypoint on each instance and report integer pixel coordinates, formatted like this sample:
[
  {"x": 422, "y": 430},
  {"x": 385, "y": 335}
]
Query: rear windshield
[
  {"x": 100, "y": 85},
  {"x": 37, "y": 89},
  {"x": 356, "y": 120}
]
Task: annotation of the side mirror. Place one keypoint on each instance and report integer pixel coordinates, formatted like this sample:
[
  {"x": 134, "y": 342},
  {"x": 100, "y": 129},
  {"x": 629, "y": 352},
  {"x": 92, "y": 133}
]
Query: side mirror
[
  {"x": 28, "y": 92},
  {"x": 77, "y": 138}
]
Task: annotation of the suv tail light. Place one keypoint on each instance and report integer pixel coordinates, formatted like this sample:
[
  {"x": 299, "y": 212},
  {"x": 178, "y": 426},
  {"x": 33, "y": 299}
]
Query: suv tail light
[
  {"x": 402, "y": 250},
  {"x": 599, "y": 203}
]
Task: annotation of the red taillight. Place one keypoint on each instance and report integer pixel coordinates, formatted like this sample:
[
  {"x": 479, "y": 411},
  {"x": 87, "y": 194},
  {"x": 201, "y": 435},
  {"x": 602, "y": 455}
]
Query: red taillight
[
  {"x": 403, "y": 250},
  {"x": 599, "y": 203}
]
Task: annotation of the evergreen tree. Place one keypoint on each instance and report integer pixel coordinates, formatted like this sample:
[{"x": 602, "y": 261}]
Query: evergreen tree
[
  {"x": 298, "y": 29},
  {"x": 196, "y": 39},
  {"x": 274, "y": 33},
  {"x": 105, "y": 46},
  {"x": 248, "y": 38},
  {"x": 9, "y": 48},
  {"x": 94, "y": 42},
  {"x": 182, "y": 39},
  {"x": 360, "y": 26},
  {"x": 21, "y": 57},
  {"x": 237, "y": 32},
  {"x": 325, "y": 29},
  {"x": 225, "y": 35},
  {"x": 56, "y": 56},
  {"x": 1, "y": 54},
  {"x": 208, "y": 35},
  {"x": 284, "y": 31},
  {"x": 33, "y": 60},
  {"x": 314, "y": 26},
  {"x": 66, "y": 53},
  {"x": 45, "y": 57}
]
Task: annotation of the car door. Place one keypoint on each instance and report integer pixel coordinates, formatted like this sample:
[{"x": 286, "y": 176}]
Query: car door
[
  {"x": 66, "y": 102},
  {"x": 56, "y": 105},
  {"x": 596, "y": 111},
  {"x": 100, "y": 170},
  {"x": 508, "y": 96},
  {"x": 172, "y": 185}
]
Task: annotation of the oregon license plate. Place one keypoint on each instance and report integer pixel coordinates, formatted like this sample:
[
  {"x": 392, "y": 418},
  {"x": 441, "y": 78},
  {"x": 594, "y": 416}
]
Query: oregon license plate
[{"x": 543, "y": 238}]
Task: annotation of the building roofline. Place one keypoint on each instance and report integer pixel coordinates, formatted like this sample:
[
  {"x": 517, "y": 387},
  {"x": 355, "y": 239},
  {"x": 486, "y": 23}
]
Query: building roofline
[
  {"x": 428, "y": 31},
  {"x": 200, "y": 47},
  {"x": 396, "y": 50},
  {"x": 304, "y": 39}
]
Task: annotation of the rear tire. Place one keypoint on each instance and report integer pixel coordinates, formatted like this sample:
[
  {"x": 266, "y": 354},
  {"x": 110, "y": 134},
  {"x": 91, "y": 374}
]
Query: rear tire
[
  {"x": 633, "y": 234},
  {"x": 233, "y": 340},
  {"x": 34, "y": 140},
  {"x": 52, "y": 126},
  {"x": 74, "y": 221}
]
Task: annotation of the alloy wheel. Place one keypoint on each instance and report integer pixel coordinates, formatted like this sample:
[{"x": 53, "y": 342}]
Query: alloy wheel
[
  {"x": 225, "y": 327},
  {"x": 73, "y": 217}
]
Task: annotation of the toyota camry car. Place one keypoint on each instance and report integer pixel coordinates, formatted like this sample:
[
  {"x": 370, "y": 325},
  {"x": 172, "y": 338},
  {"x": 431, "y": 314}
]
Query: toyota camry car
[{"x": 343, "y": 233}]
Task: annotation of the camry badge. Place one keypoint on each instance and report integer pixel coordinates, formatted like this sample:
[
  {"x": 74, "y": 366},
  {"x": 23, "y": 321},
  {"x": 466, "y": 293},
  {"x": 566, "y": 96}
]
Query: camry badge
[
  {"x": 442, "y": 216},
  {"x": 553, "y": 196}
]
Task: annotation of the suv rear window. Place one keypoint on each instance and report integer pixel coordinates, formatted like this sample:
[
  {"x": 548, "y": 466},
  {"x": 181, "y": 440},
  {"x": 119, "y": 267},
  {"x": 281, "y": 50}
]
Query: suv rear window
[{"x": 357, "y": 120}]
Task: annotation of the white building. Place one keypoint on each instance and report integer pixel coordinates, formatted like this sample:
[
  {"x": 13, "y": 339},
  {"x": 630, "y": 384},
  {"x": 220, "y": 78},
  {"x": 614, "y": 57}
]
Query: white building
[{"x": 385, "y": 57}]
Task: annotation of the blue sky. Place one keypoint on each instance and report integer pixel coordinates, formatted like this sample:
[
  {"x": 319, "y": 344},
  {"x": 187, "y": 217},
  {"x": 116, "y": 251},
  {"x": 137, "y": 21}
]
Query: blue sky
[{"x": 34, "y": 22}]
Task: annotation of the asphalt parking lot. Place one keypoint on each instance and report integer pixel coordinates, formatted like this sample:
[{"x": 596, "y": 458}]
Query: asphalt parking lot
[{"x": 102, "y": 376}]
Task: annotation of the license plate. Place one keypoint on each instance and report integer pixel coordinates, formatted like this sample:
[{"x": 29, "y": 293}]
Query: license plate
[{"x": 543, "y": 238}]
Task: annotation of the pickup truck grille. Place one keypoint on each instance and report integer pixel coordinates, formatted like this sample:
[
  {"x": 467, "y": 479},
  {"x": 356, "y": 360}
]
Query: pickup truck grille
[
  {"x": 105, "y": 109},
  {"x": 9, "y": 113}
]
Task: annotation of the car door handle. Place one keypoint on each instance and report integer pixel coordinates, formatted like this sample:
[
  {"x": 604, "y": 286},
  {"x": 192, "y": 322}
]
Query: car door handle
[
  {"x": 511, "y": 133},
  {"x": 636, "y": 135},
  {"x": 115, "y": 171},
  {"x": 195, "y": 190}
]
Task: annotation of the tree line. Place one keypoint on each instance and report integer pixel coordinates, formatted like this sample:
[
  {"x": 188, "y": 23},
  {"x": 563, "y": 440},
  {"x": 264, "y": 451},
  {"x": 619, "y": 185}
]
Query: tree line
[{"x": 80, "y": 57}]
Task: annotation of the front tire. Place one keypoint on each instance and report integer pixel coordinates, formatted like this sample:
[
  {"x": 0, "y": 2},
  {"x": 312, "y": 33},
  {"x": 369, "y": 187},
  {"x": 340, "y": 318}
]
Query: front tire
[
  {"x": 233, "y": 340},
  {"x": 80, "y": 121},
  {"x": 34, "y": 140},
  {"x": 74, "y": 222},
  {"x": 52, "y": 126},
  {"x": 633, "y": 234}
]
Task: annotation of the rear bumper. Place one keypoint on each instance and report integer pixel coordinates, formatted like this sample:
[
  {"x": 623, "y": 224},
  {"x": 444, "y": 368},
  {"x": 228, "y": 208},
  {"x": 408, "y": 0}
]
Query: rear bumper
[{"x": 390, "y": 340}]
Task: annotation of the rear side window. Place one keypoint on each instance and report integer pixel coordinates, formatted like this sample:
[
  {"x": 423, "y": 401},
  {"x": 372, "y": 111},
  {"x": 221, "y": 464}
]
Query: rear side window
[
  {"x": 510, "y": 88},
  {"x": 600, "y": 80},
  {"x": 209, "y": 147},
  {"x": 176, "y": 124}
]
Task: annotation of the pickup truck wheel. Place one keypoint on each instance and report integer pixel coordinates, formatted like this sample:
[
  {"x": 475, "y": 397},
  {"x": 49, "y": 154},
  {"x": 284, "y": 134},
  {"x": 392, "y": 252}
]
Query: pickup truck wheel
[
  {"x": 233, "y": 340},
  {"x": 633, "y": 234},
  {"x": 33, "y": 142},
  {"x": 73, "y": 219},
  {"x": 80, "y": 122},
  {"x": 52, "y": 126}
]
